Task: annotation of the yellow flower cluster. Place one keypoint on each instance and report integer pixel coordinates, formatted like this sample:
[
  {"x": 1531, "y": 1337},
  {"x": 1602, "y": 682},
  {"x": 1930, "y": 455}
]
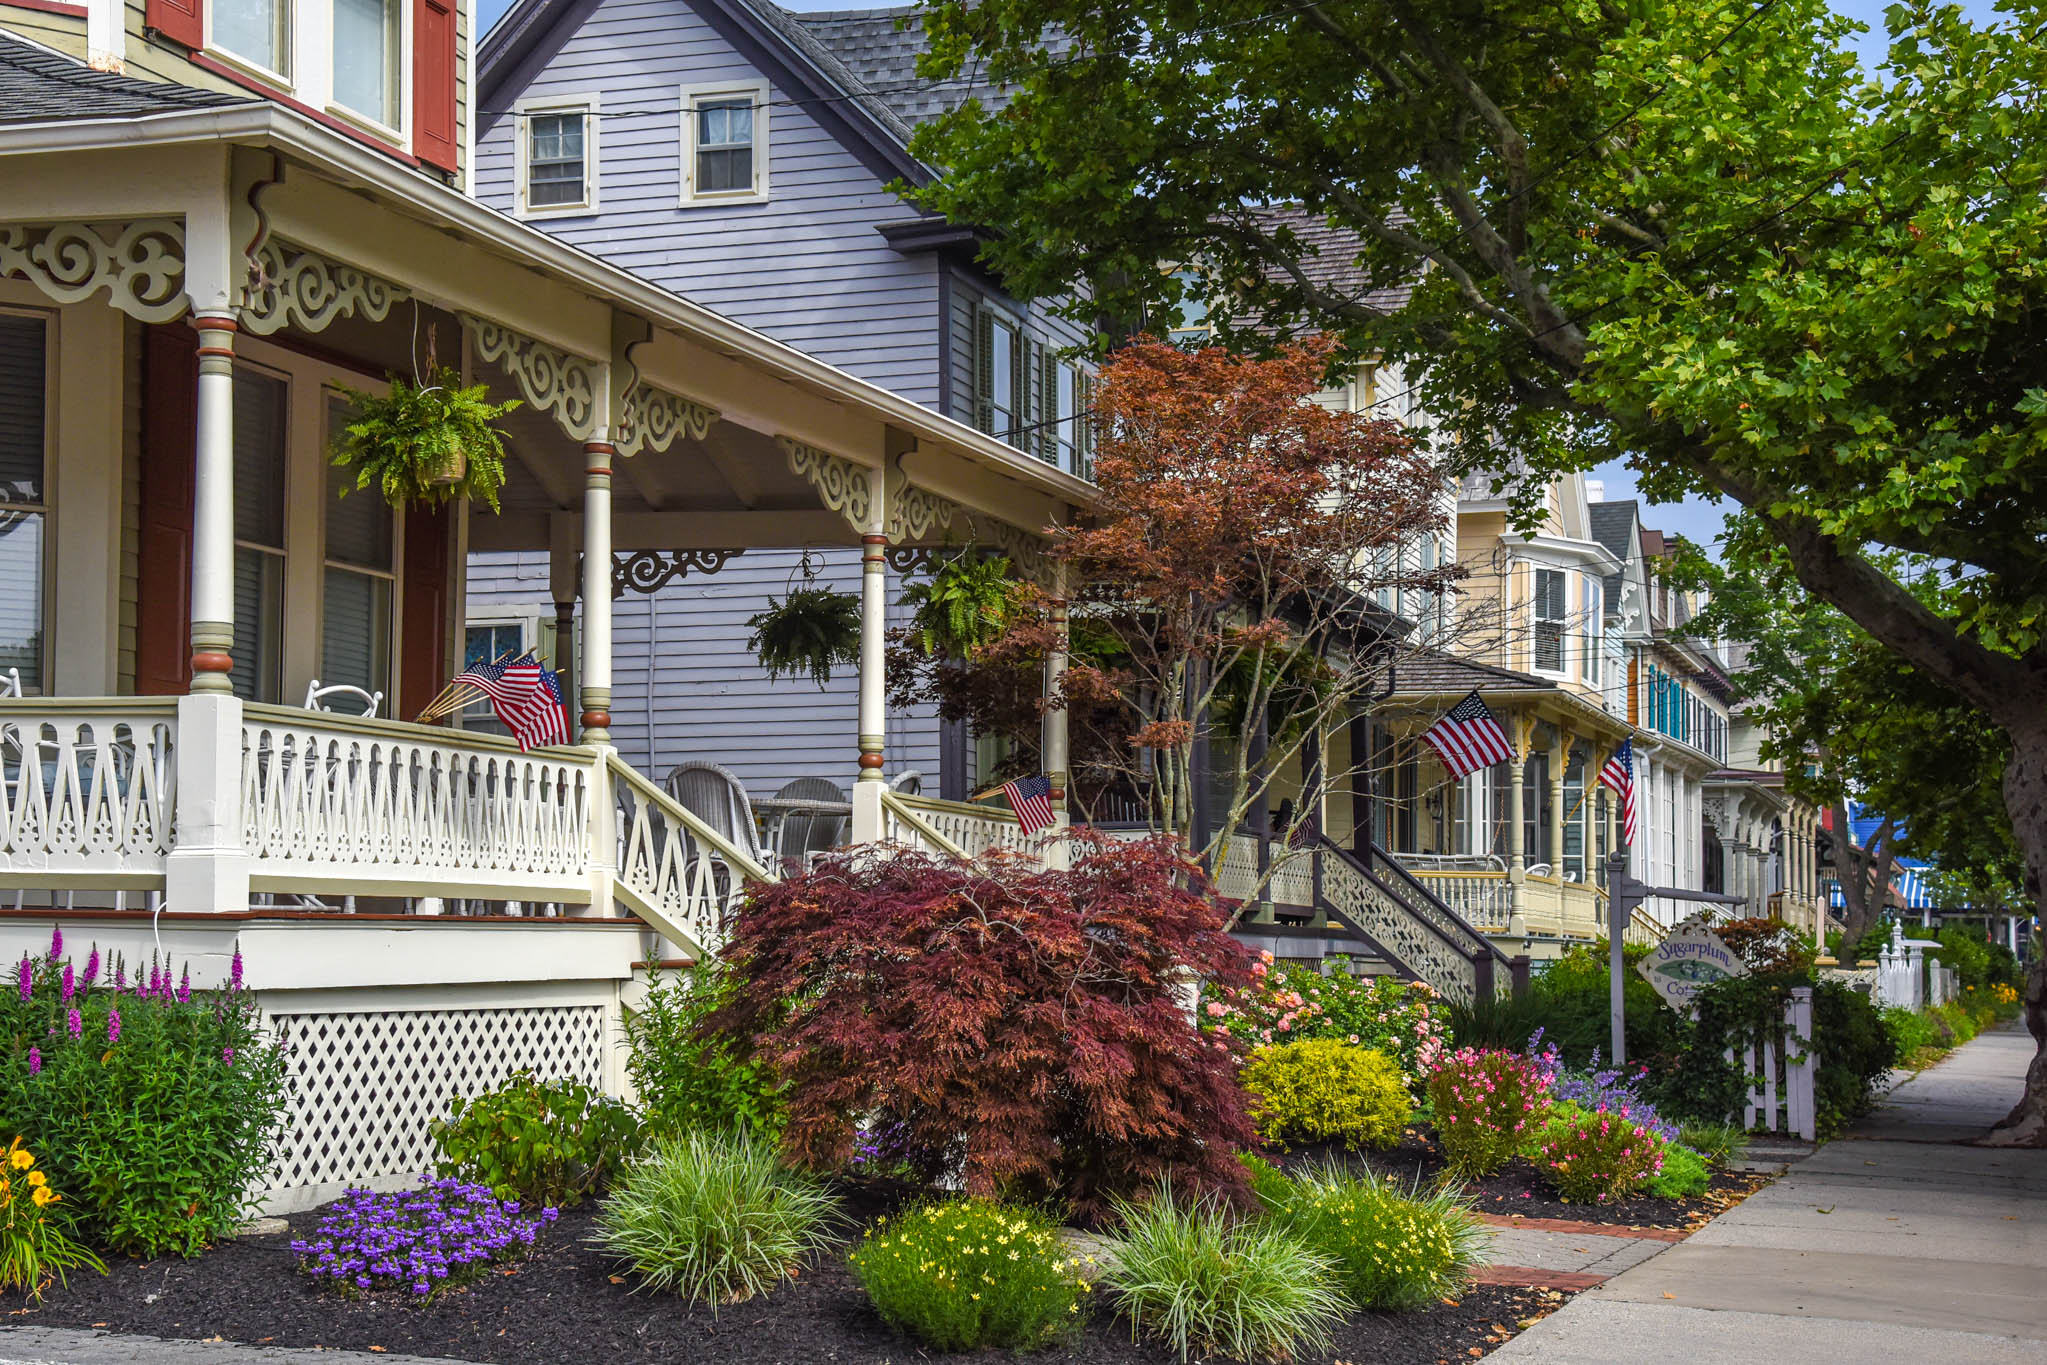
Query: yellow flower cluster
[
  {"x": 2004, "y": 995},
  {"x": 19, "y": 1177}
]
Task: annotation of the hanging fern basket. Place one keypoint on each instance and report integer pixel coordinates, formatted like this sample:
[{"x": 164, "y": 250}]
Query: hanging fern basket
[
  {"x": 452, "y": 469},
  {"x": 426, "y": 443},
  {"x": 811, "y": 631}
]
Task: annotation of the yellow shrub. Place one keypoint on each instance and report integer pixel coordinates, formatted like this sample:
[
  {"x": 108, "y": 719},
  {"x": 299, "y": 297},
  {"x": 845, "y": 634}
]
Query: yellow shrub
[{"x": 1305, "y": 1092}]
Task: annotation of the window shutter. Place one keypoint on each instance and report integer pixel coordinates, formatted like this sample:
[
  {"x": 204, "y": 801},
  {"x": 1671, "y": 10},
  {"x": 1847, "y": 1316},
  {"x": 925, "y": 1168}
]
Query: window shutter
[
  {"x": 1084, "y": 426},
  {"x": 181, "y": 21},
  {"x": 424, "y": 626},
  {"x": 984, "y": 368},
  {"x": 435, "y": 134},
  {"x": 1048, "y": 411},
  {"x": 163, "y": 608}
]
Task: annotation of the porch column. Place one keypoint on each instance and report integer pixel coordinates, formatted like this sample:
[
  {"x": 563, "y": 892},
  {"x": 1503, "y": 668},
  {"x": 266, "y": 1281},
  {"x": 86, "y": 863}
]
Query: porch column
[
  {"x": 1517, "y": 861},
  {"x": 213, "y": 508},
  {"x": 867, "y": 790},
  {"x": 1559, "y": 759},
  {"x": 1057, "y": 754},
  {"x": 596, "y": 669},
  {"x": 562, "y": 588}
]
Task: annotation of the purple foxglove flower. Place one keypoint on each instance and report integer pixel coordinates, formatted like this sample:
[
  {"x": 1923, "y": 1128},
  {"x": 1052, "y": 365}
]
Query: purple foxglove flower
[
  {"x": 113, "y": 1026},
  {"x": 92, "y": 965},
  {"x": 35, "y": 1060},
  {"x": 70, "y": 987}
]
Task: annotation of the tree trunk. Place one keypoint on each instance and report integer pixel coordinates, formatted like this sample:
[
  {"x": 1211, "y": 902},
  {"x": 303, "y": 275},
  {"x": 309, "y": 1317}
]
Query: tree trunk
[{"x": 2025, "y": 800}]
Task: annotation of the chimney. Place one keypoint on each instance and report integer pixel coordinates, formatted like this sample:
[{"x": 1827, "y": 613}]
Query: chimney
[{"x": 1595, "y": 490}]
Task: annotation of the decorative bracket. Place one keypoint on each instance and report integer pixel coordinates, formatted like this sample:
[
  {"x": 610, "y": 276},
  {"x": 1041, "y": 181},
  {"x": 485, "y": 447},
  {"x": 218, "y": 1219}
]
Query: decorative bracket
[
  {"x": 141, "y": 265},
  {"x": 555, "y": 382},
  {"x": 912, "y": 512},
  {"x": 844, "y": 487},
  {"x": 292, "y": 285},
  {"x": 1026, "y": 552},
  {"x": 652, "y": 419},
  {"x": 647, "y": 571}
]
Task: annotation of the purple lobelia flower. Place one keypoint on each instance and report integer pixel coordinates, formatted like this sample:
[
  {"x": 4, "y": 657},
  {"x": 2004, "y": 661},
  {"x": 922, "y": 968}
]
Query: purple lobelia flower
[{"x": 35, "y": 1060}]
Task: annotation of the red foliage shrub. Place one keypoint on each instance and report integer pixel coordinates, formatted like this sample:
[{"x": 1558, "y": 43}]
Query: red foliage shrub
[{"x": 1026, "y": 1031}]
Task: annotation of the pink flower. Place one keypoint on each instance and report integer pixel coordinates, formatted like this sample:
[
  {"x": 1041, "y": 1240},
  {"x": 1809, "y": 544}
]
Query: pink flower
[
  {"x": 74, "y": 1023},
  {"x": 113, "y": 1026},
  {"x": 35, "y": 1061},
  {"x": 70, "y": 986},
  {"x": 56, "y": 941},
  {"x": 1215, "y": 1011},
  {"x": 24, "y": 976}
]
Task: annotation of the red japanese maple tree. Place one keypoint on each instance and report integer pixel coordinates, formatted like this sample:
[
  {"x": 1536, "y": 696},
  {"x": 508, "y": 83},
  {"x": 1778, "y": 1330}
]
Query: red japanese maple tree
[{"x": 1027, "y": 1032}]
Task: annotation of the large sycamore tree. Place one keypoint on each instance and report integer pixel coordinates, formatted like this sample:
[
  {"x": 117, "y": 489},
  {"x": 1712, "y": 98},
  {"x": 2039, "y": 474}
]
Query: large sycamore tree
[{"x": 1690, "y": 232}]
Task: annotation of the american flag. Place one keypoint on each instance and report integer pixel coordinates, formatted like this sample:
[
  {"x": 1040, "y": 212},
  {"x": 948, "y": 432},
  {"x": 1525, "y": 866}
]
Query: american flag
[
  {"x": 1031, "y": 799},
  {"x": 1468, "y": 737},
  {"x": 1619, "y": 776},
  {"x": 526, "y": 697}
]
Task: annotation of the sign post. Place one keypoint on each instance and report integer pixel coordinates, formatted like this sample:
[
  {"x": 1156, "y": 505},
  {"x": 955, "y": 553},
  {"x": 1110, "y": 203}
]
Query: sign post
[{"x": 1623, "y": 894}]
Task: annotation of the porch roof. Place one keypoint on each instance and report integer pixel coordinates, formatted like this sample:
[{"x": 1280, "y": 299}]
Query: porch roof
[
  {"x": 1433, "y": 677},
  {"x": 114, "y": 116},
  {"x": 38, "y": 85}
]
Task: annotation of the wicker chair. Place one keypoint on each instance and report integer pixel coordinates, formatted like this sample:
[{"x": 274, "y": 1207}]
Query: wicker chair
[
  {"x": 712, "y": 793},
  {"x": 910, "y": 782},
  {"x": 798, "y": 834}
]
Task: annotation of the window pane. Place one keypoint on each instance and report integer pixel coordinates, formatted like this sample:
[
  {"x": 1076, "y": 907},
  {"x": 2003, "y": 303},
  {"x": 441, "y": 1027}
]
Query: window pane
[
  {"x": 259, "y": 458},
  {"x": 554, "y": 164},
  {"x": 358, "y": 524},
  {"x": 253, "y": 30},
  {"x": 259, "y": 600},
  {"x": 484, "y": 644},
  {"x": 1002, "y": 360},
  {"x": 24, "y": 426},
  {"x": 727, "y": 170},
  {"x": 724, "y": 124},
  {"x": 355, "y": 630},
  {"x": 364, "y": 58},
  {"x": 21, "y": 595}
]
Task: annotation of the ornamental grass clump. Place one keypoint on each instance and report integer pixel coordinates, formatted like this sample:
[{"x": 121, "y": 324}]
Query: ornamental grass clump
[
  {"x": 967, "y": 1273},
  {"x": 714, "y": 1218},
  {"x": 442, "y": 1234},
  {"x": 1391, "y": 1250},
  {"x": 35, "y": 1247},
  {"x": 1595, "y": 1156},
  {"x": 1325, "y": 1089},
  {"x": 1209, "y": 1283},
  {"x": 1486, "y": 1106},
  {"x": 153, "y": 1104}
]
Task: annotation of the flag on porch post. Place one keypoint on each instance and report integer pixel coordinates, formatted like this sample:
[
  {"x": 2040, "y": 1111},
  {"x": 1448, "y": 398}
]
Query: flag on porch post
[
  {"x": 1031, "y": 799},
  {"x": 1468, "y": 737},
  {"x": 526, "y": 698},
  {"x": 1618, "y": 776}
]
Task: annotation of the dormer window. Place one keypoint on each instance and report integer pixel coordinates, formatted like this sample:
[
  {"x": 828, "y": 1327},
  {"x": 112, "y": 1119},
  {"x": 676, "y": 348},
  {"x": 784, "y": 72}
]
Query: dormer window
[
  {"x": 366, "y": 51},
  {"x": 724, "y": 143},
  {"x": 256, "y": 31},
  {"x": 558, "y": 155}
]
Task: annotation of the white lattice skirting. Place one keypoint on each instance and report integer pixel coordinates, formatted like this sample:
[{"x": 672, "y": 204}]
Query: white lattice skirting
[{"x": 367, "y": 1086}]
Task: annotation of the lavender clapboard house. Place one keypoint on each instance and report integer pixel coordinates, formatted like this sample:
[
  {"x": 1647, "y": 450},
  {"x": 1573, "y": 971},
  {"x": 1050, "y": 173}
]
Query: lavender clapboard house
[{"x": 740, "y": 154}]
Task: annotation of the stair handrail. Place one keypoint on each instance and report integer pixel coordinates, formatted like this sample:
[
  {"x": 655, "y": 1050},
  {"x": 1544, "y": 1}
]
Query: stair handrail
[
  {"x": 674, "y": 810},
  {"x": 892, "y": 802},
  {"x": 1475, "y": 938}
]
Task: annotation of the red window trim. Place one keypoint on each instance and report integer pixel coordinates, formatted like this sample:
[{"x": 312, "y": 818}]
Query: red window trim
[
  {"x": 324, "y": 119},
  {"x": 46, "y": 6}
]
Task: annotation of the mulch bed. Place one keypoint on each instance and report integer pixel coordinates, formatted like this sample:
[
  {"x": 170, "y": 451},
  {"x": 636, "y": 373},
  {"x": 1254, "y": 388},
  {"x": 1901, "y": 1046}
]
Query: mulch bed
[
  {"x": 1520, "y": 1188},
  {"x": 566, "y": 1304}
]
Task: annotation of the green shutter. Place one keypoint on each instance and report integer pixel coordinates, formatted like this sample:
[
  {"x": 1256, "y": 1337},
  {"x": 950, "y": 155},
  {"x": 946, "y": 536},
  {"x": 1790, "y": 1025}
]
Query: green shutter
[
  {"x": 1048, "y": 384},
  {"x": 984, "y": 367}
]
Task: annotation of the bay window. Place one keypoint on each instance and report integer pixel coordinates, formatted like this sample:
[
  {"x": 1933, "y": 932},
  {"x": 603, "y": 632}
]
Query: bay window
[
  {"x": 1549, "y": 619},
  {"x": 24, "y": 446}
]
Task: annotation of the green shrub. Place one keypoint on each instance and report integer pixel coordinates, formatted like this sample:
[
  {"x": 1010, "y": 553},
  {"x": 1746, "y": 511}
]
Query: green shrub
[
  {"x": 1390, "y": 1250},
  {"x": 1718, "y": 1143},
  {"x": 1910, "y": 1031},
  {"x": 688, "y": 1076},
  {"x": 153, "y": 1109},
  {"x": 1572, "y": 1005},
  {"x": 1307, "y": 1092},
  {"x": 1960, "y": 1026},
  {"x": 1206, "y": 1282},
  {"x": 1506, "y": 1022},
  {"x": 1485, "y": 1105},
  {"x": 1595, "y": 1156},
  {"x": 1269, "y": 1183},
  {"x": 714, "y": 1218},
  {"x": 967, "y": 1273},
  {"x": 1684, "y": 1174},
  {"x": 1967, "y": 950},
  {"x": 1406, "y": 1020},
  {"x": 1851, "y": 1050},
  {"x": 547, "y": 1143}
]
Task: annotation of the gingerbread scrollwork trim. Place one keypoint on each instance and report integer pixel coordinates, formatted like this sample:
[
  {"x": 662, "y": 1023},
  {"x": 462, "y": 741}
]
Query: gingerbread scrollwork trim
[
  {"x": 562, "y": 385},
  {"x": 843, "y": 486},
  {"x": 1028, "y": 554},
  {"x": 652, "y": 419},
  {"x": 646, "y": 571},
  {"x": 293, "y": 286},
  {"x": 140, "y": 264},
  {"x": 912, "y": 513}
]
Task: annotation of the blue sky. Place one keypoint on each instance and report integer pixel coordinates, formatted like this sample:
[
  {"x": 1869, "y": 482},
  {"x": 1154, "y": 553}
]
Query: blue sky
[{"x": 1694, "y": 518}]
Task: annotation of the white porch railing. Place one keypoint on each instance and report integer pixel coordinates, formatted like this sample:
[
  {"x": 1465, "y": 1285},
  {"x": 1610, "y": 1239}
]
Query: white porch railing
[
  {"x": 674, "y": 870},
  {"x": 87, "y": 791},
  {"x": 350, "y": 805},
  {"x": 959, "y": 828},
  {"x": 1483, "y": 898},
  {"x": 1292, "y": 880}
]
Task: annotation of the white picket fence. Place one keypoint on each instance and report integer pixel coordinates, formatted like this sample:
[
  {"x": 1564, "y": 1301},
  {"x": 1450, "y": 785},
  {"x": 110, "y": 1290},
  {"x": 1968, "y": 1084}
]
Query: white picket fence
[
  {"x": 1906, "y": 980},
  {"x": 1779, "y": 1065}
]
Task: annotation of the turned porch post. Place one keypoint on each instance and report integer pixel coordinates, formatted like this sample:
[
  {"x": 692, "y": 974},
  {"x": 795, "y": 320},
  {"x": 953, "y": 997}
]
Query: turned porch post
[
  {"x": 1522, "y": 738},
  {"x": 1057, "y": 737},
  {"x": 873, "y": 719},
  {"x": 213, "y": 506},
  {"x": 596, "y": 669}
]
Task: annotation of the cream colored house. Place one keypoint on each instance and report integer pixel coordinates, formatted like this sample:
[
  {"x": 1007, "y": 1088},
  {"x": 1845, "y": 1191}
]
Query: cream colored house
[{"x": 195, "y": 257}]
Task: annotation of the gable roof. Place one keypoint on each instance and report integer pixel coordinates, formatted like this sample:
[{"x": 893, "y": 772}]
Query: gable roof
[
  {"x": 1329, "y": 258},
  {"x": 38, "y": 85},
  {"x": 1613, "y": 525},
  {"x": 881, "y": 47}
]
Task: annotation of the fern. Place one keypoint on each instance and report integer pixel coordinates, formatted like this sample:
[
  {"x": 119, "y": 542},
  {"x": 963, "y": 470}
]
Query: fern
[
  {"x": 814, "y": 629},
  {"x": 966, "y": 606},
  {"x": 399, "y": 441}
]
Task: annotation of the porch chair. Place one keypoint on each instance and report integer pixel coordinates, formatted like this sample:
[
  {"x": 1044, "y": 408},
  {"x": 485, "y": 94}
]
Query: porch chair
[
  {"x": 715, "y": 795},
  {"x": 800, "y": 833},
  {"x": 316, "y": 698},
  {"x": 909, "y": 782},
  {"x": 10, "y": 685}
]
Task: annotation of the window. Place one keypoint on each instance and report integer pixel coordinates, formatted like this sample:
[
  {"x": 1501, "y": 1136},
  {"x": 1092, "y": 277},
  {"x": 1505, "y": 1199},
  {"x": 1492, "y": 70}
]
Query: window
[
  {"x": 1595, "y": 625},
  {"x": 1549, "y": 619},
  {"x": 359, "y": 578},
  {"x": 725, "y": 140},
  {"x": 482, "y": 643},
  {"x": 260, "y": 430},
  {"x": 257, "y": 31},
  {"x": 558, "y": 156},
  {"x": 995, "y": 376},
  {"x": 24, "y": 445},
  {"x": 1190, "y": 323},
  {"x": 366, "y": 58},
  {"x": 1065, "y": 428}
]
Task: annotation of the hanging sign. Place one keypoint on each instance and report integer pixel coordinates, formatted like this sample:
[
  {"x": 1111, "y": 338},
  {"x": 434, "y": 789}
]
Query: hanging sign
[{"x": 1687, "y": 962}]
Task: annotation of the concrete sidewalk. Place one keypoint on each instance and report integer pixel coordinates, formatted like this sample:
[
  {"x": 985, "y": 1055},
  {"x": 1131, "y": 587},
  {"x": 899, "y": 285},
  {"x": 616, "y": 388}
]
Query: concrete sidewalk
[
  {"x": 66, "y": 1346},
  {"x": 1883, "y": 1247}
]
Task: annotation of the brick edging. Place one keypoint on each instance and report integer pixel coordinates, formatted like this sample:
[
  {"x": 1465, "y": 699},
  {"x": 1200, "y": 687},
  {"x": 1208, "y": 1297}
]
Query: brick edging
[
  {"x": 1529, "y": 1277},
  {"x": 1501, "y": 1220}
]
